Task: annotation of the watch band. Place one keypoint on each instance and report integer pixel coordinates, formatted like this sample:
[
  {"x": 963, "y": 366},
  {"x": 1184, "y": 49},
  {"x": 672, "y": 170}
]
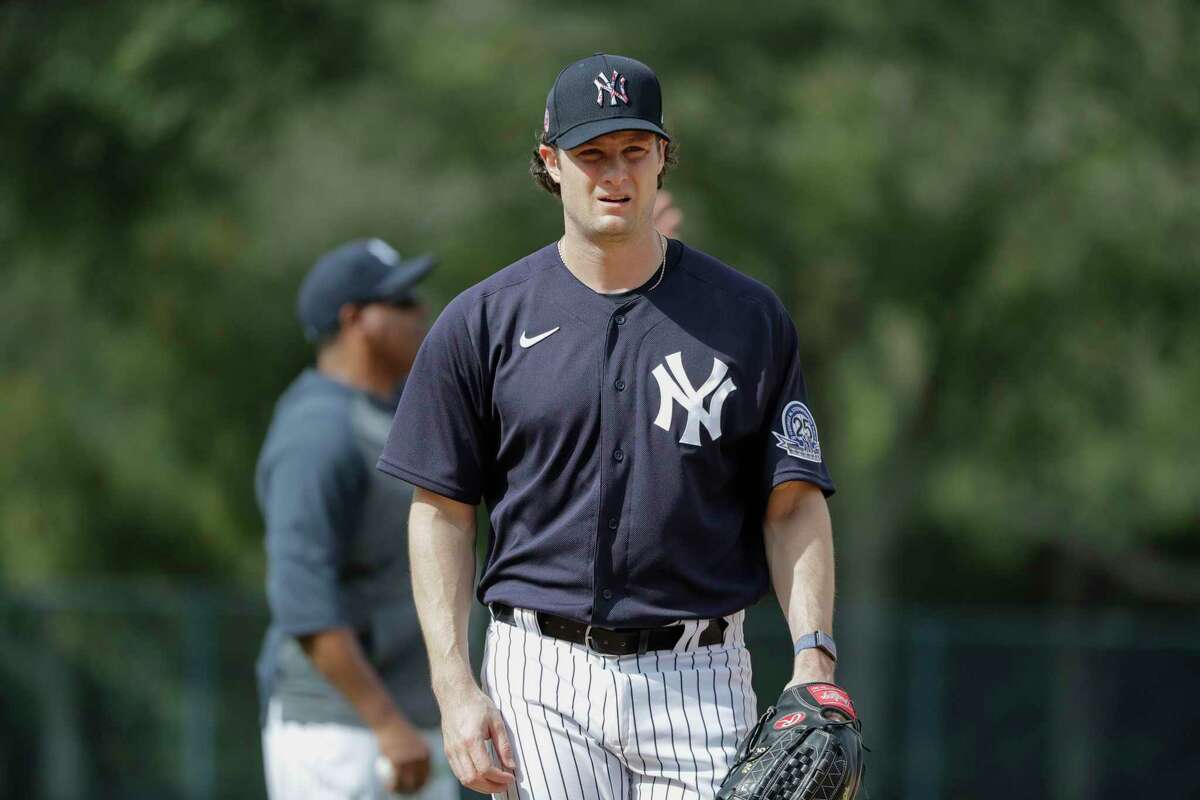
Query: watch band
[{"x": 818, "y": 640}]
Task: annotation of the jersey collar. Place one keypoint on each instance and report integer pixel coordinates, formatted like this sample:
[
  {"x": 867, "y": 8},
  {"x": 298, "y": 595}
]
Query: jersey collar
[{"x": 587, "y": 305}]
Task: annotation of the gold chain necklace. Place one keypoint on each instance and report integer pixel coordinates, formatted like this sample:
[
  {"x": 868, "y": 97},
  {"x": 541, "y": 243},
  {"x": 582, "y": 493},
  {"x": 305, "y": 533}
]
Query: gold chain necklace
[{"x": 662, "y": 265}]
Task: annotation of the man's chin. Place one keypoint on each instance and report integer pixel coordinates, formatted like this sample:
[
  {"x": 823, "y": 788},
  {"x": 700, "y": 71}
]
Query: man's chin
[{"x": 611, "y": 226}]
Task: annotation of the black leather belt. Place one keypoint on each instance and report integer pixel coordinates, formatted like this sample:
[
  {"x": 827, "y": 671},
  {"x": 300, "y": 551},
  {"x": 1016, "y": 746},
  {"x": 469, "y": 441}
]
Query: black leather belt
[{"x": 623, "y": 642}]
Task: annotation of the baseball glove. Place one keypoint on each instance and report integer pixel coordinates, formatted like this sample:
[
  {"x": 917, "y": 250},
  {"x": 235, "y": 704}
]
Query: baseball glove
[{"x": 807, "y": 747}]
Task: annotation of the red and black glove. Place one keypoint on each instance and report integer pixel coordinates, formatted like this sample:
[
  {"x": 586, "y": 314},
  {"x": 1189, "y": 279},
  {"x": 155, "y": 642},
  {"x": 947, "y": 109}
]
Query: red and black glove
[{"x": 808, "y": 746}]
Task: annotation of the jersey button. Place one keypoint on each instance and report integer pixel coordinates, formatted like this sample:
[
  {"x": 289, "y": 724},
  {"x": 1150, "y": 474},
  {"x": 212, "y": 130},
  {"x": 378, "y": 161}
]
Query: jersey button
[
  {"x": 613, "y": 523},
  {"x": 618, "y": 455},
  {"x": 619, "y": 319},
  {"x": 620, "y": 384},
  {"x": 606, "y": 594}
]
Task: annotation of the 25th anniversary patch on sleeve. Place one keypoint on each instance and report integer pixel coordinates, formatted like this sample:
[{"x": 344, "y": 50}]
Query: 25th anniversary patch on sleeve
[{"x": 799, "y": 437}]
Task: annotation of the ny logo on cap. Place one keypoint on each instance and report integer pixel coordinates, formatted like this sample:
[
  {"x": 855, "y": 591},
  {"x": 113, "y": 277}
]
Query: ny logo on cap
[
  {"x": 615, "y": 87},
  {"x": 383, "y": 251}
]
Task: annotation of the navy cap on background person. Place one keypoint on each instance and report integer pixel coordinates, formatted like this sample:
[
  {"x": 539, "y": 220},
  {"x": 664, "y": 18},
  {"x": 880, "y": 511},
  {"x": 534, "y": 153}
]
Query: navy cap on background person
[
  {"x": 601, "y": 94},
  {"x": 361, "y": 271}
]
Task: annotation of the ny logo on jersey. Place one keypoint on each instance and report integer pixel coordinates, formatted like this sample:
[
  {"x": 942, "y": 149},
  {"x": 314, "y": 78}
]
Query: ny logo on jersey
[
  {"x": 615, "y": 87},
  {"x": 676, "y": 388}
]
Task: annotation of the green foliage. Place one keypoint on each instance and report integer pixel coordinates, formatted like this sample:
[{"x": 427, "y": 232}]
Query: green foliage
[{"x": 983, "y": 216}]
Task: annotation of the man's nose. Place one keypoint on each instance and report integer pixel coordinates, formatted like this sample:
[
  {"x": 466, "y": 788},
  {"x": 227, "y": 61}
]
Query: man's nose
[{"x": 615, "y": 171}]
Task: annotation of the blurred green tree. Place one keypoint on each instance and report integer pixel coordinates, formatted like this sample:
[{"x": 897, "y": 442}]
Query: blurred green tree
[{"x": 983, "y": 217}]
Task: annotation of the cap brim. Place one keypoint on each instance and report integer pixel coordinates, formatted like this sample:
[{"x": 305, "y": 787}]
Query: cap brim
[
  {"x": 590, "y": 130},
  {"x": 406, "y": 275}
]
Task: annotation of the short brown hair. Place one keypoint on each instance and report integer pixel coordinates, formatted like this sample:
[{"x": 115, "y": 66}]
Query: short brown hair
[{"x": 541, "y": 176}]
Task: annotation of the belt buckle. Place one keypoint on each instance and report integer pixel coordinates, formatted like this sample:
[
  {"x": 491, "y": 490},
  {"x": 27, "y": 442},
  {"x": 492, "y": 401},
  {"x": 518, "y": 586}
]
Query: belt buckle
[{"x": 587, "y": 639}]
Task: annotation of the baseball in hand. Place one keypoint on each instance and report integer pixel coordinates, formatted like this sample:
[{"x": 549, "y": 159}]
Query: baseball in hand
[{"x": 385, "y": 772}]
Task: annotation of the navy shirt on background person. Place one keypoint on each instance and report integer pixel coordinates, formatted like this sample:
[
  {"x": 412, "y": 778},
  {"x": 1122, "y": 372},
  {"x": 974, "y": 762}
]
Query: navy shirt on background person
[
  {"x": 338, "y": 552},
  {"x": 517, "y": 399}
]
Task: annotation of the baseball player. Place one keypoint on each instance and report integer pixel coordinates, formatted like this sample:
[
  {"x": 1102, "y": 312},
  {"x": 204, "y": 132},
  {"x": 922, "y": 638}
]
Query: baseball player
[
  {"x": 632, "y": 413},
  {"x": 345, "y": 683}
]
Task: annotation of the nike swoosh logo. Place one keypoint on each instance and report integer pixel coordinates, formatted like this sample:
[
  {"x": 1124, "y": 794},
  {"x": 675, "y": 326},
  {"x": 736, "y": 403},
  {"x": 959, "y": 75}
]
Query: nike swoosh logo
[{"x": 530, "y": 342}]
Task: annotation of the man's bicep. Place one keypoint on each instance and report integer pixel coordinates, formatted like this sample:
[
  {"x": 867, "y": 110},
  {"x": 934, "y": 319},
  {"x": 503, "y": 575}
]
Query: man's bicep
[
  {"x": 312, "y": 491},
  {"x": 311, "y": 498},
  {"x": 791, "y": 440}
]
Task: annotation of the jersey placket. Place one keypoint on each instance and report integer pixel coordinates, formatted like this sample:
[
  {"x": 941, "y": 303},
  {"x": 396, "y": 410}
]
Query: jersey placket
[{"x": 624, "y": 329}]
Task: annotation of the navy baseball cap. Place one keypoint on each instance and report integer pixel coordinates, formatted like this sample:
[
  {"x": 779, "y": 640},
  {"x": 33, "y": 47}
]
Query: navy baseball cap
[
  {"x": 362, "y": 271},
  {"x": 599, "y": 95}
]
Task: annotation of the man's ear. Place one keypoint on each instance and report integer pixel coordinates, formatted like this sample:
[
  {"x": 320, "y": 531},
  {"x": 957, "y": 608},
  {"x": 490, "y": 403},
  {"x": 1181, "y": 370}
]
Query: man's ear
[
  {"x": 550, "y": 159},
  {"x": 348, "y": 315},
  {"x": 662, "y": 154}
]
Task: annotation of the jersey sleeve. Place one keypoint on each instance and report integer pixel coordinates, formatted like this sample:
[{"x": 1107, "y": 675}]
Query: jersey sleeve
[
  {"x": 436, "y": 440},
  {"x": 792, "y": 440},
  {"x": 310, "y": 488}
]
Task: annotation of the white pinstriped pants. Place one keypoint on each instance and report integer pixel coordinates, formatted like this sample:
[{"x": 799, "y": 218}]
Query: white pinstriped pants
[{"x": 663, "y": 725}]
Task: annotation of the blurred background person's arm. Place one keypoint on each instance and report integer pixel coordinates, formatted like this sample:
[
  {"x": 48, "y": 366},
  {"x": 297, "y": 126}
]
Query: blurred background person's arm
[{"x": 311, "y": 489}]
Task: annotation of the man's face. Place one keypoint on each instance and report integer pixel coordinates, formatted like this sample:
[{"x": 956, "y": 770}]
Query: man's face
[
  {"x": 608, "y": 184},
  {"x": 394, "y": 333}
]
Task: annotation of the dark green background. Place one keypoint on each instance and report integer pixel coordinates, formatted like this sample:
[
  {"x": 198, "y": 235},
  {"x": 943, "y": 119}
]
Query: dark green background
[{"x": 984, "y": 217}]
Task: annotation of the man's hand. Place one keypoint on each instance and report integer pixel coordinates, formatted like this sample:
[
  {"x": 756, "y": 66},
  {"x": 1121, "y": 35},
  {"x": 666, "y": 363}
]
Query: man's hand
[
  {"x": 338, "y": 656},
  {"x": 467, "y": 723},
  {"x": 666, "y": 216},
  {"x": 404, "y": 746}
]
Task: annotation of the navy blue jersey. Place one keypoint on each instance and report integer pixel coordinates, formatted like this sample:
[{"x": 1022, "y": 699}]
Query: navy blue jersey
[{"x": 625, "y": 451}]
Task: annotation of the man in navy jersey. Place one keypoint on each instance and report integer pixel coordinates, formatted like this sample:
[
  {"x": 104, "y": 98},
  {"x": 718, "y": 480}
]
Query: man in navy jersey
[{"x": 633, "y": 414}]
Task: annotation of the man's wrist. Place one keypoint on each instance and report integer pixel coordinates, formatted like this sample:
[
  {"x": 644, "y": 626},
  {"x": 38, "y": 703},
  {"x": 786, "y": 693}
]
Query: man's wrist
[
  {"x": 453, "y": 685},
  {"x": 382, "y": 715},
  {"x": 811, "y": 666}
]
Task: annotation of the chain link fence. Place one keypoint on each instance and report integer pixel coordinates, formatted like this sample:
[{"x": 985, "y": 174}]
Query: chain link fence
[{"x": 129, "y": 691}]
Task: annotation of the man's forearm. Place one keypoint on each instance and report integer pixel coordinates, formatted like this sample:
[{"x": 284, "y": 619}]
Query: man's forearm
[
  {"x": 441, "y": 537},
  {"x": 799, "y": 545},
  {"x": 338, "y": 656}
]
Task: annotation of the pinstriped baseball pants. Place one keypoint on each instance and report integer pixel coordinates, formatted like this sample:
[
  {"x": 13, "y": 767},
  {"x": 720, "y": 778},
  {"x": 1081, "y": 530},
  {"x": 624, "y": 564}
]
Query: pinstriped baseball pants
[{"x": 663, "y": 725}]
